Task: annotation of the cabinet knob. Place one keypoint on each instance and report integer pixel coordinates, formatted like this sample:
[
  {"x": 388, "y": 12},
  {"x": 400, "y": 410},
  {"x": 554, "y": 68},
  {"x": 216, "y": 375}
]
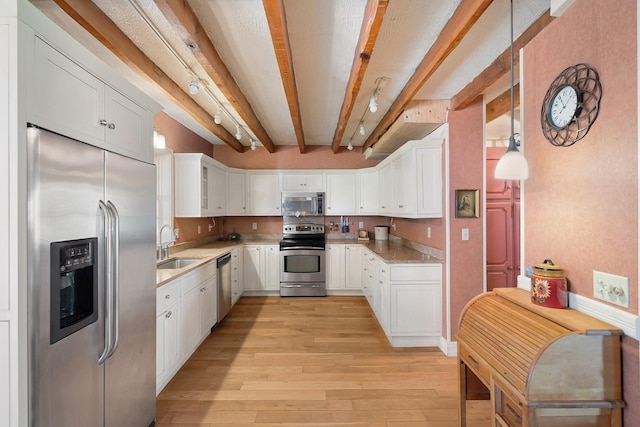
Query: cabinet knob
[
  {"x": 111, "y": 125},
  {"x": 167, "y": 296},
  {"x": 169, "y": 313},
  {"x": 103, "y": 122}
]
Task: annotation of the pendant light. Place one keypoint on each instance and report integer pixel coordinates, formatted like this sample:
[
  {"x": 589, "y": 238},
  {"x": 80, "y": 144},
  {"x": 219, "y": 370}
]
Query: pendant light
[{"x": 512, "y": 164}]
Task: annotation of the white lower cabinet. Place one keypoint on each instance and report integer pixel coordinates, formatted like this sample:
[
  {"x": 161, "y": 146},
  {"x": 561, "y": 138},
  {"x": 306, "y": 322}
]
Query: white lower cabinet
[
  {"x": 344, "y": 268},
  {"x": 406, "y": 299},
  {"x": 237, "y": 263},
  {"x": 261, "y": 268},
  {"x": 167, "y": 333},
  {"x": 186, "y": 310},
  {"x": 334, "y": 261}
]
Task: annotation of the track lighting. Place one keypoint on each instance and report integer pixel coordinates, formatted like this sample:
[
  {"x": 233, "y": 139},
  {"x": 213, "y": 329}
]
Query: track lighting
[
  {"x": 217, "y": 119},
  {"x": 362, "y": 129},
  {"x": 194, "y": 87},
  {"x": 373, "y": 103},
  {"x": 253, "y": 144},
  {"x": 350, "y": 146},
  {"x": 238, "y": 134}
]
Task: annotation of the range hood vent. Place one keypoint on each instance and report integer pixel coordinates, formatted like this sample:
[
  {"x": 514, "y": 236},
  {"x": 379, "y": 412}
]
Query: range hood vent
[{"x": 418, "y": 120}]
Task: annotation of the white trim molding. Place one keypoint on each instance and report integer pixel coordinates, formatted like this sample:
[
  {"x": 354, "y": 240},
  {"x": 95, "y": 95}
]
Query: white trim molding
[{"x": 628, "y": 322}]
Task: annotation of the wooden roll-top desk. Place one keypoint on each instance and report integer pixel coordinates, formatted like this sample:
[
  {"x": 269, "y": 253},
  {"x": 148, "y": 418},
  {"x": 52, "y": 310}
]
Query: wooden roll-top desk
[{"x": 541, "y": 366}]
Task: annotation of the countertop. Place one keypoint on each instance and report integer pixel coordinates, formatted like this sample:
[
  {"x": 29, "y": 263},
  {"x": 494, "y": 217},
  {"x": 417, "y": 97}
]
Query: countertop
[{"x": 390, "y": 252}]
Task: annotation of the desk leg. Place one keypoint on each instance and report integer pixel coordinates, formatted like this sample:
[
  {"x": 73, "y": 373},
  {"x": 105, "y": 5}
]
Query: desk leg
[{"x": 462, "y": 393}]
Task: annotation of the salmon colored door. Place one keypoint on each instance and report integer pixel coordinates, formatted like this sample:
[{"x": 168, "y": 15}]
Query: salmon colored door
[{"x": 503, "y": 226}]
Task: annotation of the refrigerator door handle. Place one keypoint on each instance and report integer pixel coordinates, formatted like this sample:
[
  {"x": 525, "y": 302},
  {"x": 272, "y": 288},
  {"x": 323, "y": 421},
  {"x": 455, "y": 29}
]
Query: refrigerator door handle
[
  {"x": 115, "y": 279},
  {"x": 107, "y": 281}
]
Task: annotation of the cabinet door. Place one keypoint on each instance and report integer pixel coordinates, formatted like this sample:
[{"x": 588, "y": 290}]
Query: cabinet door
[
  {"x": 128, "y": 126},
  {"x": 302, "y": 182},
  {"x": 272, "y": 268},
  {"x": 353, "y": 267},
  {"x": 236, "y": 193},
  {"x": 404, "y": 184},
  {"x": 264, "y": 194},
  {"x": 190, "y": 325},
  {"x": 368, "y": 192},
  {"x": 167, "y": 344},
  {"x": 55, "y": 78},
  {"x": 429, "y": 181},
  {"x": 416, "y": 308},
  {"x": 208, "y": 306},
  {"x": 252, "y": 267},
  {"x": 385, "y": 185},
  {"x": 218, "y": 191},
  {"x": 188, "y": 184},
  {"x": 236, "y": 282},
  {"x": 341, "y": 194},
  {"x": 335, "y": 266}
]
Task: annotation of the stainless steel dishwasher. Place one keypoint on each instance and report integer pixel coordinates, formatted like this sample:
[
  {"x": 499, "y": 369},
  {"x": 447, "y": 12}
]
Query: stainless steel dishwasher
[{"x": 224, "y": 285}]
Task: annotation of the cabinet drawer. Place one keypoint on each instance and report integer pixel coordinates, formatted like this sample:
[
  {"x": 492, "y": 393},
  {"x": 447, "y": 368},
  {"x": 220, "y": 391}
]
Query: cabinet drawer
[
  {"x": 475, "y": 363},
  {"x": 167, "y": 295},
  {"x": 199, "y": 275},
  {"x": 413, "y": 273},
  {"x": 508, "y": 411}
]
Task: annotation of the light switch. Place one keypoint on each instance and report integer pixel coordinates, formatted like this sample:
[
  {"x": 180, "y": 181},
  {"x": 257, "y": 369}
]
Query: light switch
[{"x": 465, "y": 234}]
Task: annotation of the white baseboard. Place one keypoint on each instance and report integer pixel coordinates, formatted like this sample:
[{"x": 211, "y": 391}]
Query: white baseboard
[{"x": 448, "y": 348}]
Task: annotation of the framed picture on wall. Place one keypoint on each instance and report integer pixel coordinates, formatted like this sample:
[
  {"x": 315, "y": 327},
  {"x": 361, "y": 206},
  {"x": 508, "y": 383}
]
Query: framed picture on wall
[{"x": 467, "y": 203}]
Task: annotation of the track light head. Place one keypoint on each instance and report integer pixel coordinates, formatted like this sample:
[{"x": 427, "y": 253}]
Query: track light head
[
  {"x": 194, "y": 87},
  {"x": 373, "y": 103},
  {"x": 238, "y": 134},
  {"x": 362, "y": 129},
  {"x": 217, "y": 119},
  {"x": 253, "y": 144},
  {"x": 350, "y": 146}
]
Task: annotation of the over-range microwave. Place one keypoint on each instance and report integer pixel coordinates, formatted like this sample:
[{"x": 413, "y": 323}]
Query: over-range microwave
[{"x": 301, "y": 204}]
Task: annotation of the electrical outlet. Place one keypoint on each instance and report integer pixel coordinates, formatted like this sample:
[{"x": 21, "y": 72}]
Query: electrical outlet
[
  {"x": 199, "y": 230},
  {"x": 177, "y": 232},
  {"x": 428, "y": 232},
  {"x": 611, "y": 288},
  {"x": 254, "y": 226},
  {"x": 361, "y": 225}
]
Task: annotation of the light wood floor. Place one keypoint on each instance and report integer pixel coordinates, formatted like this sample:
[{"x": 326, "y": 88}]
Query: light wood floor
[{"x": 303, "y": 362}]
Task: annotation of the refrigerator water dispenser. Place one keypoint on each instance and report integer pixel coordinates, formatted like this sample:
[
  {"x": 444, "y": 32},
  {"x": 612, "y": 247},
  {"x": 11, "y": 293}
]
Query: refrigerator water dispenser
[{"x": 74, "y": 287}]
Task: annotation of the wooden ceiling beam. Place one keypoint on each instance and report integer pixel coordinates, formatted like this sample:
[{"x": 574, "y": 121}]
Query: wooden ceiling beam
[
  {"x": 499, "y": 67},
  {"x": 371, "y": 24},
  {"x": 465, "y": 16},
  {"x": 100, "y": 26},
  {"x": 185, "y": 22},
  {"x": 501, "y": 105},
  {"x": 277, "y": 19}
]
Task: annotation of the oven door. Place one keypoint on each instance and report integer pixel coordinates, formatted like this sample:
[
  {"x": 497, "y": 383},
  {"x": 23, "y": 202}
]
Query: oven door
[{"x": 302, "y": 265}]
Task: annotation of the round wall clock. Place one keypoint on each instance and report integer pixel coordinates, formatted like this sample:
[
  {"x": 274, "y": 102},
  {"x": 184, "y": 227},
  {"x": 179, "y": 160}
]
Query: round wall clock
[{"x": 571, "y": 105}]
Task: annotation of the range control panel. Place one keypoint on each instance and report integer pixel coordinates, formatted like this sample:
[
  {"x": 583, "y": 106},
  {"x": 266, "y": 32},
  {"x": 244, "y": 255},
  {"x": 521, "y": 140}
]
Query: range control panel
[{"x": 303, "y": 228}]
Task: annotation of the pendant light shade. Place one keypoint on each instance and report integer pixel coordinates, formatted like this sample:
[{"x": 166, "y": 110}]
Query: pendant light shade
[{"x": 512, "y": 165}]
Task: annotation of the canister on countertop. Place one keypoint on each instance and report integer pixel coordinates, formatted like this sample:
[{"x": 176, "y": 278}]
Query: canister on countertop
[
  {"x": 549, "y": 286},
  {"x": 381, "y": 232}
]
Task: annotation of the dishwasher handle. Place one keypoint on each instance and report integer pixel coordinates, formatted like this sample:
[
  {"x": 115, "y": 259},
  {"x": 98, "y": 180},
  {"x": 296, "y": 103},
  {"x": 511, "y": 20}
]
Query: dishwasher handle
[{"x": 224, "y": 259}]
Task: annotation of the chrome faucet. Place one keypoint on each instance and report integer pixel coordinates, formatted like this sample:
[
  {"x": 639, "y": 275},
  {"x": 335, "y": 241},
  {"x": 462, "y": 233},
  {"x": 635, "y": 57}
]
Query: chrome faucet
[{"x": 163, "y": 252}]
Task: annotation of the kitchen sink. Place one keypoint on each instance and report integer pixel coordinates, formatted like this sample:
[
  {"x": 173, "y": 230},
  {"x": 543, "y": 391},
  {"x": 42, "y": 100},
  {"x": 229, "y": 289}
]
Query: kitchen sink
[{"x": 172, "y": 264}]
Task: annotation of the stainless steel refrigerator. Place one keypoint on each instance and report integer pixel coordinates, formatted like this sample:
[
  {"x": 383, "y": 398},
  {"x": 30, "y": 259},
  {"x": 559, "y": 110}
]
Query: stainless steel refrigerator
[{"x": 91, "y": 285}]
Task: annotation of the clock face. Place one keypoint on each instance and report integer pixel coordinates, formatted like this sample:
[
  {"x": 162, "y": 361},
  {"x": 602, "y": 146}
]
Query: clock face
[{"x": 563, "y": 106}]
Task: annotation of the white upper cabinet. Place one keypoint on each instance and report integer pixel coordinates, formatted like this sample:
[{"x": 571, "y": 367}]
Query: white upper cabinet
[
  {"x": 96, "y": 113},
  {"x": 200, "y": 186},
  {"x": 368, "y": 194},
  {"x": 385, "y": 188},
  {"x": 341, "y": 197},
  {"x": 264, "y": 193},
  {"x": 236, "y": 192},
  {"x": 429, "y": 181},
  {"x": 295, "y": 181}
]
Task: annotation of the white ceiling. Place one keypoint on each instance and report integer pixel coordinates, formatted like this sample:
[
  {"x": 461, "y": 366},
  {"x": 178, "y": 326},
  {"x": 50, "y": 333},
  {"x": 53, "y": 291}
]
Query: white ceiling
[{"x": 323, "y": 35}]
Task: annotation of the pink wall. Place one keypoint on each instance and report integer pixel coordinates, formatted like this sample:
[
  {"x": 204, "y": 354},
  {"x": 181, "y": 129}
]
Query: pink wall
[
  {"x": 581, "y": 202},
  {"x": 466, "y": 151},
  {"x": 289, "y": 157}
]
